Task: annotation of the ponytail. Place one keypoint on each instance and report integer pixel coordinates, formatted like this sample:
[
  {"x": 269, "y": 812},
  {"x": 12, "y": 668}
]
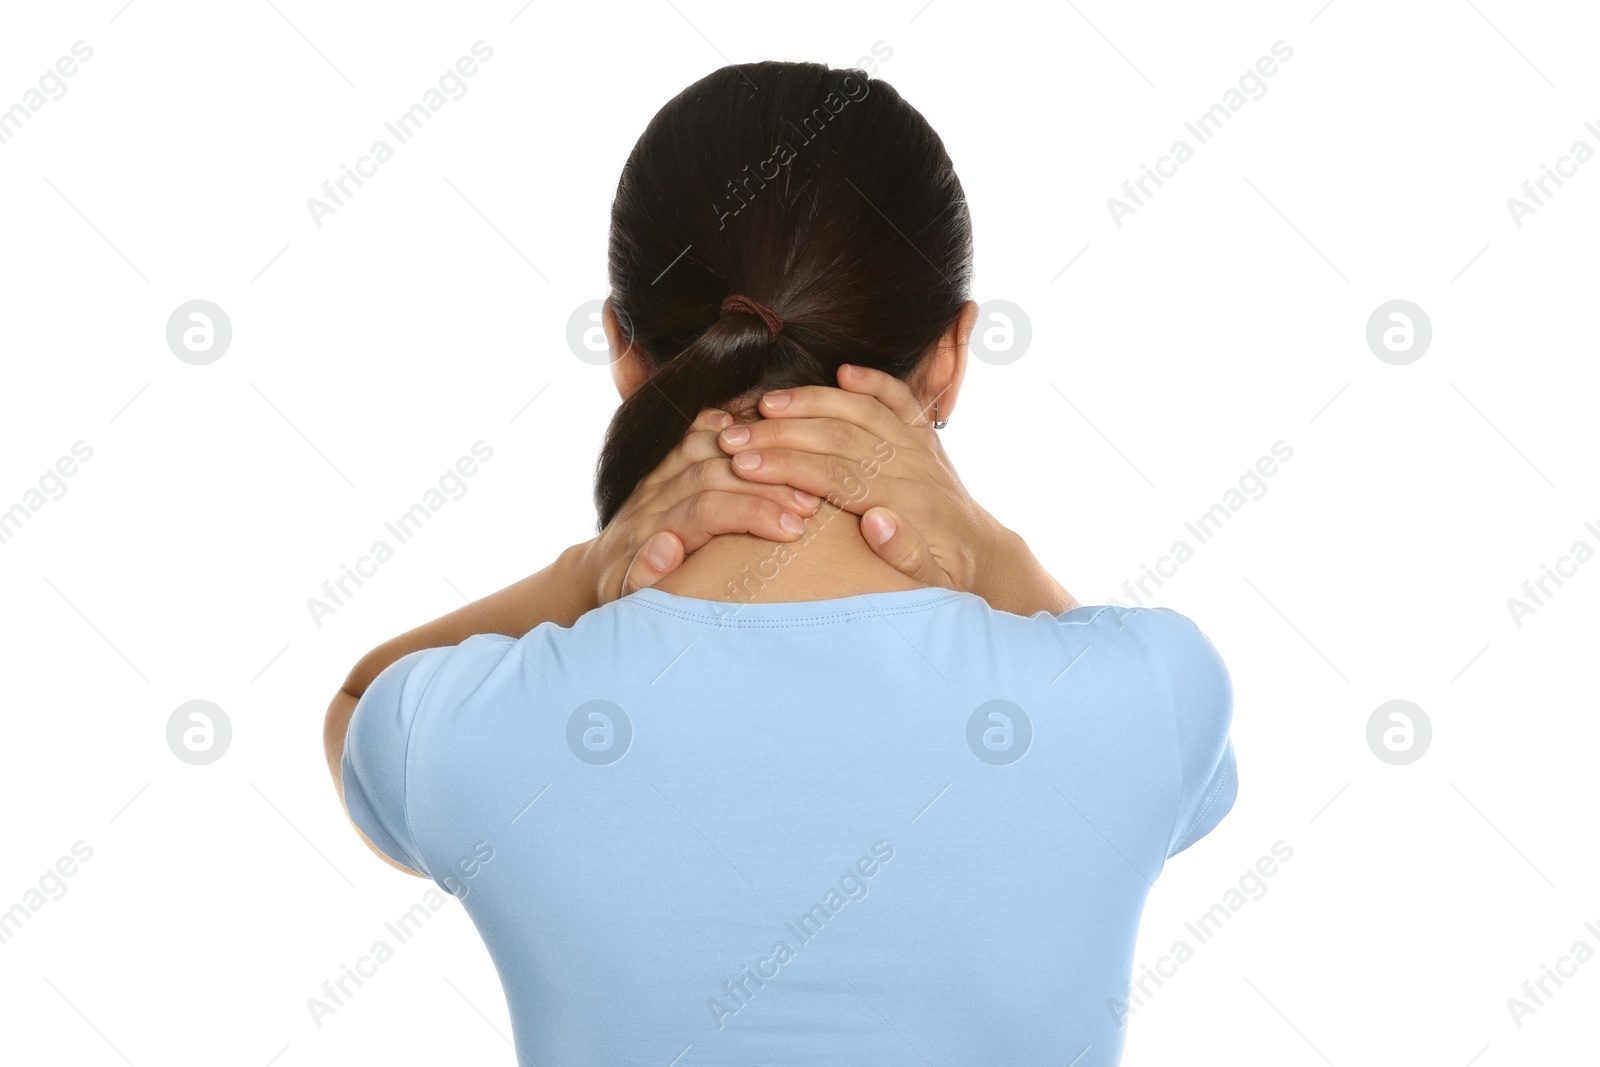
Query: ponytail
[{"x": 726, "y": 360}]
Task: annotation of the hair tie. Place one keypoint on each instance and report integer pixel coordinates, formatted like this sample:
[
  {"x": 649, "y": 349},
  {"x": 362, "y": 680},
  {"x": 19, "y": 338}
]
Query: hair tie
[{"x": 751, "y": 307}]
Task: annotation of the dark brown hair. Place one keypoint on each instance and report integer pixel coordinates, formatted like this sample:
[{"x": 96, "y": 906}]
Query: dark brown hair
[{"x": 818, "y": 193}]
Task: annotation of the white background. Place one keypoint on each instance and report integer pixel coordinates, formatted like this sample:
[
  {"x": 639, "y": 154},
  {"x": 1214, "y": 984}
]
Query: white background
[{"x": 1227, "y": 314}]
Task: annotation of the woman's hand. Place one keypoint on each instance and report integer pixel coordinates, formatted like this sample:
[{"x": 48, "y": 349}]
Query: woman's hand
[
  {"x": 869, "y": 449},
  {"x": 691, "y": 497}
]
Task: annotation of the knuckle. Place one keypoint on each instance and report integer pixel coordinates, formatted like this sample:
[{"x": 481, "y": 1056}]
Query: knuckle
[{"x": 701, "y": 508}]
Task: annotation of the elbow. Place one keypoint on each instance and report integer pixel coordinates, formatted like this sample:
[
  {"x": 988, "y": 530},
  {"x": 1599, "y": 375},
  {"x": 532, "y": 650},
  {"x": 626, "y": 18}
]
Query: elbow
[
  {"x": 334, "y": 726},
  {"x": 336, "y": 722}
]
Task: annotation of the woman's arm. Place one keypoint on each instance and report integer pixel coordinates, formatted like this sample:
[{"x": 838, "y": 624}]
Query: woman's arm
[
  {"x": 560, "y": 594},
  {"x": 692, "y": 497}
]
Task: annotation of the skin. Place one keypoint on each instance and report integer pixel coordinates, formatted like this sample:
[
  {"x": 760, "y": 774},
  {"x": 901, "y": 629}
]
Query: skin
[{"x": 853, "y": 480}]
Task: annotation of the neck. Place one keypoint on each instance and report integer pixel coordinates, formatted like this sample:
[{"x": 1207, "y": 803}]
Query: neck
[{"x": 829, "y": 560}]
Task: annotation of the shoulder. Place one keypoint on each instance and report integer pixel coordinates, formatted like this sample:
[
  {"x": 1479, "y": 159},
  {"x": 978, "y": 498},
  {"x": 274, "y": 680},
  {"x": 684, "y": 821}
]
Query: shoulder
[
  {"x": 428, "y": 678},
  {"x": 1158, "y": 639},
  {"x": 1194, "y": 684},
  {"x": 1174, "y": 642},
  {"x": 1152, "y": 658},
  {"x": 1159, "y": 631},
  {"x": 415, "y": 688},
  {"x": 381, "y": 739}
]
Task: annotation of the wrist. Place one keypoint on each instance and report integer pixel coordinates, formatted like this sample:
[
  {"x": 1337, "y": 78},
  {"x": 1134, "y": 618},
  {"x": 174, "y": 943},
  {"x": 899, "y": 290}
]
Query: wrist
[
  {"x": 579, "y": 570},
  {"x": 995, "y": 561},
  {"x": 1010, "y": 578}
]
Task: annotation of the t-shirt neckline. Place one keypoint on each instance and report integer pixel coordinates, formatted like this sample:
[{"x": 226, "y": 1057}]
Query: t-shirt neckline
[{"x": 792, "y": 612}]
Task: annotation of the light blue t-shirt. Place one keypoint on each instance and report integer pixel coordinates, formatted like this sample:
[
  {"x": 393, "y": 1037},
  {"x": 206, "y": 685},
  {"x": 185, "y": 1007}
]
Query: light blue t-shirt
[{"x": 899, "y": 828}]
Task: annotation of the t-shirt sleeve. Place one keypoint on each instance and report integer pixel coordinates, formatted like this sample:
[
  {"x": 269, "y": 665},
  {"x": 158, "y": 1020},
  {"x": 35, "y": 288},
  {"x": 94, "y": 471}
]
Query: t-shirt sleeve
[
  {"x": 376, "y": 753},
  {"x": 1202, "y": 708}
]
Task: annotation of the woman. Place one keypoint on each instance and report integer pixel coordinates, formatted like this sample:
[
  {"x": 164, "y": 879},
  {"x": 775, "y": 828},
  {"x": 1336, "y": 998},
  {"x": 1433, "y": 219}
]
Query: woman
[{"x": 845, "y": 776}]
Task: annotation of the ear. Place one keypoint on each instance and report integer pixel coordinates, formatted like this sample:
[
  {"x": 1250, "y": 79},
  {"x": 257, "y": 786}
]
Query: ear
[
  {"x": 629, "y": 367},
  {"x": 939, "y": 376}
]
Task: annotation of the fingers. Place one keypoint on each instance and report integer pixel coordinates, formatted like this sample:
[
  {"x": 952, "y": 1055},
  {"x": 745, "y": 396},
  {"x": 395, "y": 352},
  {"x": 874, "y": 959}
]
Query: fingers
[
  {"x": 843, "y": 483},
  {"x": 703, "y": 516},
  {"x": 828, "y": 437},
  {"x": 717, "y": 475},
  {"x": 822, "y": 401},
  {"x": 889, "y": 391},
  {"x": 699, "y": 443},
  {"x": 901, "y": 547},
  {"x": 660, "y": 556}
]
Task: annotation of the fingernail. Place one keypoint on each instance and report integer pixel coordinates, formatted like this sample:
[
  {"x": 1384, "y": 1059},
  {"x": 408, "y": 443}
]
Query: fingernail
[
  {"x": 658, "y": 552},
  {"x": 736, "y": 435},
  {"x": 747, "y": 461},
  {"x": 853, "y": 370},
  {"x": 718, "y": 418},
  {"x": 880, "y": 528},
  {"x": 776, "y": 401},
  {"x": 791, "y": 523},
  {"x": 805, "y": 499}
]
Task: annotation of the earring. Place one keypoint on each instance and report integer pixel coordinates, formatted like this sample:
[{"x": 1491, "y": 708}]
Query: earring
[{"x": 938, "y": 423}]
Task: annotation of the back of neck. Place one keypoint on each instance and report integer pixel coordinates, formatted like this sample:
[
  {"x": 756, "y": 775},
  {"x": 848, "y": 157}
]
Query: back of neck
[{"x": 830, "y": 560}]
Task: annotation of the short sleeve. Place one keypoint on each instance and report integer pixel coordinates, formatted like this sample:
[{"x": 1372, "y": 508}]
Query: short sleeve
[
  {"x": 1202, "y": 708},
  {"x": 376, "y": 748}
]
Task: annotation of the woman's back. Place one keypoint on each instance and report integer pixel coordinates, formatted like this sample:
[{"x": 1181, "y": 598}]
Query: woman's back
[{"x": 894, "y": 828}]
